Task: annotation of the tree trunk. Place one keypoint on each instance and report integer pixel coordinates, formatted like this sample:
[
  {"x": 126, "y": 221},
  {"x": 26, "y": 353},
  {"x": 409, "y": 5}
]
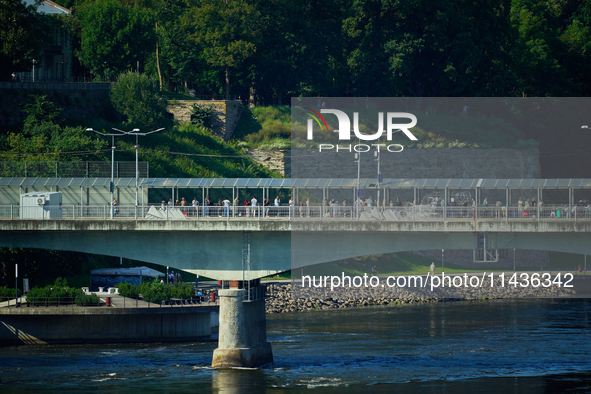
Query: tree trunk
[
  {"x": 227, "y": 83},
  {"x": 158, "y": 61},
  {"x": 251, "y": 97}
]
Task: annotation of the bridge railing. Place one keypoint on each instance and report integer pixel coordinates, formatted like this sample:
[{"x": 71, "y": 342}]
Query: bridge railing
[
  {"x": 51, "y": 302},
  {"x": 312, "y": 212}
]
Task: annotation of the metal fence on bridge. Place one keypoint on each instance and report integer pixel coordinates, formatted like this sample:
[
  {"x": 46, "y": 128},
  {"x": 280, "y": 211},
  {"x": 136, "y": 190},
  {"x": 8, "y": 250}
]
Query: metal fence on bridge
[
  {"x": 446, "y": 194},
  {"x": 310, "y": 212}
]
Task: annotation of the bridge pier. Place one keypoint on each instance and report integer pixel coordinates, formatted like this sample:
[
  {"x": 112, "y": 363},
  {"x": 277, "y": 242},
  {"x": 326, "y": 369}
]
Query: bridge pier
[{"x": 243, "y": 331}]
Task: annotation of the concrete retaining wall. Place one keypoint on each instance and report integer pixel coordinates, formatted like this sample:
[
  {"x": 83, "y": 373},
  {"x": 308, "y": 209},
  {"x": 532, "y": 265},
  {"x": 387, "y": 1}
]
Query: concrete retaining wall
[
  {"x": 275, "y": 160},
  {"x": 421, "y": 163},
  {"x": 410, "y": 163},
  {"x": 105, "y": 325}
]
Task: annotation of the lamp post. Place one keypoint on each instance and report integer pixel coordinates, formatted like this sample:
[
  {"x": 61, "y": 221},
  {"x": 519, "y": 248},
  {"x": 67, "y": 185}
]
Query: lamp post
[
  {"x": 377, "y": 158},
  {"x": 137, "y": 133},
  {"x": 358, "y": 159},
  {"x": 112, "y": 161},
  {"x": 16, "y": 285}
]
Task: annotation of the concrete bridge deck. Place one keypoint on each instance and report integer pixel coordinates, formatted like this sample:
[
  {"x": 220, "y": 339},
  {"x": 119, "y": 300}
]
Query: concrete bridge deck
[{"x": 214, "y": 247}]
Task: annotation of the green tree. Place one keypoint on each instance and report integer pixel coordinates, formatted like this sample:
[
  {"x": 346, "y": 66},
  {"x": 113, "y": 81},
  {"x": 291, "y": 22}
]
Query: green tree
[
  {"x": 44, "y": 138},
  {"x": 40, "y": 110},
  {"x": 366, "y": 28},
  {"x": 136, "y": 96},
  {"x": 224, "y": 31},
  {"x": 575, "y": 35},
  {"x": 114, "y": 36},
  {"x": 451, "y": 48},
  {"x": 23, "y": 35},
  {"x": 537, "y": 50},
  {"x": 299, "y": 50},
  {"x": 180, "y": 61}
]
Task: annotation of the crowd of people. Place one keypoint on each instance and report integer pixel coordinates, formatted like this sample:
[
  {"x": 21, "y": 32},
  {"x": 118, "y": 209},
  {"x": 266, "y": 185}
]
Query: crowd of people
[{"x": 250, "y": 207}]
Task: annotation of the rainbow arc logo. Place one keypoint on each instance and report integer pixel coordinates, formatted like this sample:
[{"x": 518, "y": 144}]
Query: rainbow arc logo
[{"x": 316, "y": 118}]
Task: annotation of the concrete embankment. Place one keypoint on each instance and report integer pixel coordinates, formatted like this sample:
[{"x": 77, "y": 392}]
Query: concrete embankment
[
  {"x": 27, "y": 325},
  {"x": 285, "y": 298}
]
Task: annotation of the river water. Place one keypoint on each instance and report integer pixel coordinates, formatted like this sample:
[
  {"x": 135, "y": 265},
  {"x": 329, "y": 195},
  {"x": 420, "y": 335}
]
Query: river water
[{"x": 459, "y": 347}]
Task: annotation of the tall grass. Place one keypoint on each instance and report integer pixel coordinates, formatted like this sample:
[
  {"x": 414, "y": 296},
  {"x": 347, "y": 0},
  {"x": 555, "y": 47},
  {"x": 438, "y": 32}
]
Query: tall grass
[{"x": 264, "y": 127}]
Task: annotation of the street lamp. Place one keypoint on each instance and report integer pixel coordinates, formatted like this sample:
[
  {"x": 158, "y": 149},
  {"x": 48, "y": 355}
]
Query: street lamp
[
  {"x": 137, "y": 133},
  {"x": 112, "y": 161},
  {"x": 377, "y": 158},
  {"x": 358, "y": 159},
  {"x": 585, "y": 127}
]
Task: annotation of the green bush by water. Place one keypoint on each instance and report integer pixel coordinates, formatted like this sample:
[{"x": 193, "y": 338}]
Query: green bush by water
[
  {"x": 155, "y": 291},
  {"x": 7, "y": 292}
]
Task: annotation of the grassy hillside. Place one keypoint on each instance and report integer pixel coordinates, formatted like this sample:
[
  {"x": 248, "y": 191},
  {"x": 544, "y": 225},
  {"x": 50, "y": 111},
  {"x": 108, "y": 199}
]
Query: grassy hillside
[
  {"x": 264, "y": 128},
  {"x": 190, "y": 151}
]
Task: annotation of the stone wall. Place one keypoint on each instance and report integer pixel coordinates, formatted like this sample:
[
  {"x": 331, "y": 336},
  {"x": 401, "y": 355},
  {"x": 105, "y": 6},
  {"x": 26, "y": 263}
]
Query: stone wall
[
  {"x": 411, "y": 163},
  {"x": 421, "y": 163},
  {"x": 225, "y": 114},
  {"x": 275, "y": 160}
]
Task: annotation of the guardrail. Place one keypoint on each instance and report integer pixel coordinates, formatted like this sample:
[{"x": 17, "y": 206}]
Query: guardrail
[
  {"x": 405, "y": 213},
  {"x": 70, "y": 302},
  {"x": 50, "y": 302}
]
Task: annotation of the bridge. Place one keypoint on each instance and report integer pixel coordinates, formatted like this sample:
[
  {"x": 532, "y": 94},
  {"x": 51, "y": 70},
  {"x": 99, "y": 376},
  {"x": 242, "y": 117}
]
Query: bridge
[
  {"x": 213, "y": 246},
  {"x": 210, "y": 240},
  {"x": 240, "y": 243}
]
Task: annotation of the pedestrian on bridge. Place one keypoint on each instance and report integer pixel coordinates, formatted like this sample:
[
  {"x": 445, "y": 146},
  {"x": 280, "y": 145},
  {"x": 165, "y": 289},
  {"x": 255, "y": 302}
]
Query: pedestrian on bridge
[
  {"x": 206, "y": 204},
  {"x": 254, "y": 202},
  {"x": 226, "y": 203},
  {"x": 277, "y": 203}
]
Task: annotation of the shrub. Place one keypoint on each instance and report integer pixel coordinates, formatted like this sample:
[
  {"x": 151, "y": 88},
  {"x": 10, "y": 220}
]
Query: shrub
[
  {"x": 59, "y": 292},
  {"x": 201, "y": 115},
  {"x": 136, "y": 96},
  {"x": 87, "y": 299},
  {"x": 182, "y": 290},
  {"x": 128, "y": 290},
  {"x": 155, "y": 291},
  {"x": 7, "y": 292}
]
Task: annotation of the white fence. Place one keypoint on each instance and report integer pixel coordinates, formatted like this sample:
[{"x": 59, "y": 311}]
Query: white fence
[{"x": 315, "y": 212}]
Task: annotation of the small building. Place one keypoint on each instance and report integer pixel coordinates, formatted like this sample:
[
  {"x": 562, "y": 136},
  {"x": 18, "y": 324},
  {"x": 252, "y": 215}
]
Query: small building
[
  {"x": 41, "y": 205},
  {"x": 109, "y": 277}
]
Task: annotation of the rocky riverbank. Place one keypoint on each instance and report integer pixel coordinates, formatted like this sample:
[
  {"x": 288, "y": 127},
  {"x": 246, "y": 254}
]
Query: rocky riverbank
[{"x": 283, "y": 298}]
